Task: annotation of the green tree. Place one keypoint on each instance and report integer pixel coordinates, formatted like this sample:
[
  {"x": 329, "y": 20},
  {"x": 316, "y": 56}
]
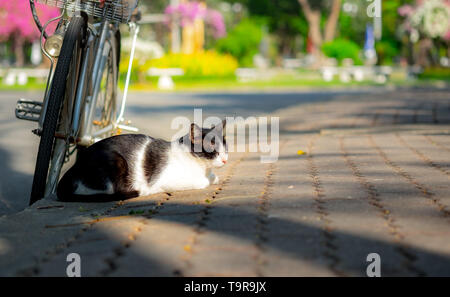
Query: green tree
[
  {"x": 352, "y": 26},
  {"x": 289, "y": 18},
  {"x": 283, "y": 18},
  {"x": 242, "y": 42},
  {"x": 341, "y": 49},
  {"x": 390, "y": 44},
  {"x": 153, "y": 6},
  {"x": 314, "y": 11}
]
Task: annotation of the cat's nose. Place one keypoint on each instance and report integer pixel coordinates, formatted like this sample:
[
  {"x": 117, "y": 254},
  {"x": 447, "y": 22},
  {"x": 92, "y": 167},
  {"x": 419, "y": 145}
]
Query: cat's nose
[{"x": 224, "y": 161}]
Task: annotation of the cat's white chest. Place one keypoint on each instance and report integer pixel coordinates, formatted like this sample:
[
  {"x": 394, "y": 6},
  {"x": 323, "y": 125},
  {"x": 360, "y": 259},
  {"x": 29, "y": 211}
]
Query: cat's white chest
[{"x": 182, "y": 172}]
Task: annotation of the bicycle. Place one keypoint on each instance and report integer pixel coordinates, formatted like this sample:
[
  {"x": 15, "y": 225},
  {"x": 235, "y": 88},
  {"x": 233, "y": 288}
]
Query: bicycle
[{"x": 80, "y": 100}]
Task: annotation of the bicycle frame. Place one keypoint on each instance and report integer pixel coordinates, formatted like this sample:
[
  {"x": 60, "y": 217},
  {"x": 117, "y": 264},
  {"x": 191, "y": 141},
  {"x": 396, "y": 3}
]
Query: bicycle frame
[
  {"x": 101, "y": 54},
  {"x": 95, "y": 52},
  {"x": 87, "y": 136},
  {"x": 81, "y": 128}
]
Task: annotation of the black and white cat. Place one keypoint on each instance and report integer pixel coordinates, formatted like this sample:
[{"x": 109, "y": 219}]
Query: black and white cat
[{"x": 131, "y": 165}]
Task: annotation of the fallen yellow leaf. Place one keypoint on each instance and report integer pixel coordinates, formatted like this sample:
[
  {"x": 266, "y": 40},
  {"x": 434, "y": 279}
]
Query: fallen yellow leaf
[
  {"x": 118, "y": 132},
  {"x": 300, "y": 152}
]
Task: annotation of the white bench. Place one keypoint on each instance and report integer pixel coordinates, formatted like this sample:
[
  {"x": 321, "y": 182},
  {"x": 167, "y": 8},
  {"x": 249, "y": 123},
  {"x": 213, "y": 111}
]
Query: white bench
[
  {"x": 246, "y": 74},
  {"x": 254, "y": 74},
  {"x": 378, "y": 74},
  {"x": 165, "y": 81},
  {"x": 20, "y": 76}
]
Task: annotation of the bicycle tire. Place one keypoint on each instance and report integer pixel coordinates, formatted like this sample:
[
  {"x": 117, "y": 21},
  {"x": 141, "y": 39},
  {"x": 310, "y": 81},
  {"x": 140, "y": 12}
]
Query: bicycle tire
[{"x": 73, "y": 36}]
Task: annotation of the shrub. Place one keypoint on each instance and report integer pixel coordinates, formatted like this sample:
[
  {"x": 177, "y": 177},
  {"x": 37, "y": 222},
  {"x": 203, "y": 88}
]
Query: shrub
[
  {"x": 386, "y": 51},
  {"x": 242, "y": 42},
  {"x": 436, "y": 73},
  {"x": 201, "y": 64},
  {"x": 341, "y": 49}
]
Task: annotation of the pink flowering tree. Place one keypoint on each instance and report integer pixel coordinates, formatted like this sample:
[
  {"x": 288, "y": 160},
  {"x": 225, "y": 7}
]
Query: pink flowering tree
[
  {"x": 427, "y": 18},
  {"x": 188, "y": 12},
  {"x": 427, "y": 24},
  {"x": 17, "y": 24}
]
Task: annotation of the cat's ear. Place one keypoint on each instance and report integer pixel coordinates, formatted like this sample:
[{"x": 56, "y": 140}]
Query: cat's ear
[
  {"x": 195, "y": 134},
  {"x": 221, "y": 126}
]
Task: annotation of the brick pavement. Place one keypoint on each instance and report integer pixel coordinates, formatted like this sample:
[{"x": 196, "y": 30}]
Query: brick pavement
[{"x": 375, "y": 179}]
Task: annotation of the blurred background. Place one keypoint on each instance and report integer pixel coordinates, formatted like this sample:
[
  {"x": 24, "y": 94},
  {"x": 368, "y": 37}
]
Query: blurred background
[
  {"x": 235, "y": 58},
  {"x": 226, "y": 43},
  {"x": 370, "y": 77}
]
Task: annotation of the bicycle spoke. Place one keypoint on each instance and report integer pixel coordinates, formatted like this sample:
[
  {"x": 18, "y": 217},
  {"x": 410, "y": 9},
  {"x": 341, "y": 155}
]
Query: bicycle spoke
[{"x": 106, "y": 98}]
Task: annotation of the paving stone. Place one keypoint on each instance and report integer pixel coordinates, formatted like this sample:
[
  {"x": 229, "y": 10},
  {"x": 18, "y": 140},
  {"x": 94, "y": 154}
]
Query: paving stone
[
  {"x": 374, "y": 179},
  {"x": 423, "y": 229}
]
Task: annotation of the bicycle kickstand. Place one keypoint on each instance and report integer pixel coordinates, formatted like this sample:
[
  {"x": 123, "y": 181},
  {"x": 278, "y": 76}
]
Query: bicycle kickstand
[{"x": 134, "y": 28}]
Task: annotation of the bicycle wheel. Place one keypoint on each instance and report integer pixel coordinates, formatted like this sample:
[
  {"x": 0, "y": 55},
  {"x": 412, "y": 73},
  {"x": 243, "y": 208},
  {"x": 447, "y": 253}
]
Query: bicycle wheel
[
  {"x": 54, "y": 141},
  {"x": 105, "y": 110}
]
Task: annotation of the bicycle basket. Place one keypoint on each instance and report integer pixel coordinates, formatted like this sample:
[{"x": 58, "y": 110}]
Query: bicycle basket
[{"x": 112, "y": 10}]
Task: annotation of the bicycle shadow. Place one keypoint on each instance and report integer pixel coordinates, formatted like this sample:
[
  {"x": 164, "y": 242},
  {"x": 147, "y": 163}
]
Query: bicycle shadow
[{"x": 15, "y": 186}]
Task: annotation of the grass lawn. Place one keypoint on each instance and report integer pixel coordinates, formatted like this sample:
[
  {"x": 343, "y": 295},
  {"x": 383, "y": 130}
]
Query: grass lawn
[
  {"x": 231, "y": 83},
  {"x": 32, "y": 84},
  {"x": 279, "y": 82}
]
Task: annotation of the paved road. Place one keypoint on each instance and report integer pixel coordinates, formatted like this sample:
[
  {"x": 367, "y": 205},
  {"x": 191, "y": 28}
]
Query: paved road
[
  {"x": 152, "y": 113},
  {"x": 375, "y": 179}
]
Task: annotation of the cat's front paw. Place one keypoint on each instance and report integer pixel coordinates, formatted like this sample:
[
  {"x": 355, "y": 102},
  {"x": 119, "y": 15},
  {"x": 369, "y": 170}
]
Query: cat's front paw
[
  {"x": 213, "y": 179},
  {"x": 216, "y": 180}
]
